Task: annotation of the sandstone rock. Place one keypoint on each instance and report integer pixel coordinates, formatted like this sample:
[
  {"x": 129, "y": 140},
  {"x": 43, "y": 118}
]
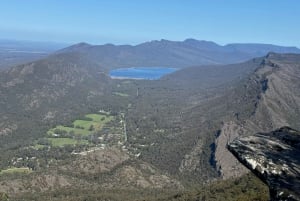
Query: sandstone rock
[{"x": 275, "y": 158}]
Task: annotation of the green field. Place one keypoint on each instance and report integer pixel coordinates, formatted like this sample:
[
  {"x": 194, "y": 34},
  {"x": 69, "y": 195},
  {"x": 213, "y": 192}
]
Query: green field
[
  {"x": 38, "y": 146},
  {"x": 76, "y": 131},
  {"x": 95, "y": 117},
  {"x": 82, "y": 127},
  {"x": 86, "y": 124},
  {"x": 63, "y": 135},
  {"x": 100, "y": 118},
  {"x": 59, "y": 142},
  {"x": 24, "y": 170}
]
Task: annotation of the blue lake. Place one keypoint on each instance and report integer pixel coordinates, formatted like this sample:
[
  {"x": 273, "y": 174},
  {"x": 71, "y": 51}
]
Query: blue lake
[{"x": 148, "y": 73}]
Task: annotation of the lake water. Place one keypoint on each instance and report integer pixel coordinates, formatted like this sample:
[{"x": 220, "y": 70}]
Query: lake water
[{"x": 148, "y": 73}]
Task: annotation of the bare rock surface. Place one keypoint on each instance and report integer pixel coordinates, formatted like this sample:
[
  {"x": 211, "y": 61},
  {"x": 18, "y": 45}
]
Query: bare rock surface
[
  {"x": 227, "y": 165},
  {"x": 275, "y": 158},
  {"x": 271, "y": 96}
]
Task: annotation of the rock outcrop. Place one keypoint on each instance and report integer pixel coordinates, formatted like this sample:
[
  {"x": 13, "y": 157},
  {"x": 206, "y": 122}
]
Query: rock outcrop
[
  {"x": 226, "y": 163},
  {"x": 275, "y": 158},
  {"x": 268, "y": 99}
]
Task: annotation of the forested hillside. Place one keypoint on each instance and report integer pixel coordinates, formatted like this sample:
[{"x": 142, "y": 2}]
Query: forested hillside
[{"x": 66, "y": 125}]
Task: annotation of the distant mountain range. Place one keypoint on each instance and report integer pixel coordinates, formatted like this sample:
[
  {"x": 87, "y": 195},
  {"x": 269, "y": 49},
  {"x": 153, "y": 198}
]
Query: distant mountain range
[
  {"x": 177, "y": 128},
  {"x": 167, "y": 53},
  {"x": 189, "y": 52}
]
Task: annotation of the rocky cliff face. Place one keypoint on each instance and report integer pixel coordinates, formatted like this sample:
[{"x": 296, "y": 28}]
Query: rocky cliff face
[
  {"x": 275, "y": 158},
  {"x": 229, "y": 131},
  {"x": 268, "y": 99}
]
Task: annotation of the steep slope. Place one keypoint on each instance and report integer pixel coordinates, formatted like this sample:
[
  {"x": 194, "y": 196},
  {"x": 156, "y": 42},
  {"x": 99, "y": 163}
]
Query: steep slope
[
  {"x": 40, "y": 95},
  {"x": 270, "y": 97},
  {"x": 183, "y": 114},
  {"x": 175, "y": 129},
  {"x": 174, "y": 121},
  {"x": 46, "y": 91},
  {"x": 274, "y": 158}
]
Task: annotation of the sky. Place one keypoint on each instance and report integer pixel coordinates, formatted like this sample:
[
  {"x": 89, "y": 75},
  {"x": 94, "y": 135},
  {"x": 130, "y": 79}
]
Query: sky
[{"x": 136, "y": 21}]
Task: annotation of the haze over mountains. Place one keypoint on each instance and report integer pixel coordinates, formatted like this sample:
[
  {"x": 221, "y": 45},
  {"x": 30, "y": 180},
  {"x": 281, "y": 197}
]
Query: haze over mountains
[
  {"x": 155, "y": 53},
  {"x": 13, "y": 52},
  {"x": 173, "y": 53},
  {"x": 176, "y": 128}
]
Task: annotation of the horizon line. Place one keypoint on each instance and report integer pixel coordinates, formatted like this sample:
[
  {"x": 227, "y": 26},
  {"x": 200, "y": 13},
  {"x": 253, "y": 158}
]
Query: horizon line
[{"x": 139, "y": 43}]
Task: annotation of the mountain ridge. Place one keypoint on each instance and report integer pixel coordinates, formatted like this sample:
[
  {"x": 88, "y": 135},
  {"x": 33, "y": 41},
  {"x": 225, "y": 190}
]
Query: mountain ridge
[
  {"x": 189, "y": 52},
  {"x": 175, "y": 126},
  {"x": 195, "y": 42},
  {"x": 274, "y": 158},
  {"x": 270, "y": 98}
]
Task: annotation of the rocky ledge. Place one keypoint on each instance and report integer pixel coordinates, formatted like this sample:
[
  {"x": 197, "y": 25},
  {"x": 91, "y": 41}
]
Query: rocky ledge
[{"x": 275, "y": 158}]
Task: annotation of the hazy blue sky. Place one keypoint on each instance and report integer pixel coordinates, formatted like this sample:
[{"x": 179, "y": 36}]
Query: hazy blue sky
[{"x": 135, "y": 21}]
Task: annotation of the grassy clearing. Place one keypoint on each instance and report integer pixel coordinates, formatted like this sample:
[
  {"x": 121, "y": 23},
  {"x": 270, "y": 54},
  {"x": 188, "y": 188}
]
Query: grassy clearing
[
  {"x": 59, "y": 142},
  {"x": 63, "y": 135},
  {"x": 23, "y": 170},
  {"x": 76, "y": 131},
  {"x": 95, "y": 117},
  {"x": 97, "y": 122},
  {"x": 85, "y": 124},
  {"x": 38, "y": 146},
  {"x": 100, "y": 118}
]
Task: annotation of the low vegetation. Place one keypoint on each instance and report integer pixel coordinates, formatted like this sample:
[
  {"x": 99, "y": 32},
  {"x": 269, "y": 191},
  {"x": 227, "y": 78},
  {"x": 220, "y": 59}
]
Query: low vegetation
[
  {"x": 59, "y": 142},
  {"x": 84, "y": 131},
  {"x": 120, "y": 94},
  {"x": 170, "y": 124},
  {"x": 14, "y": 170},
  {"x": 246, "y": 188}
]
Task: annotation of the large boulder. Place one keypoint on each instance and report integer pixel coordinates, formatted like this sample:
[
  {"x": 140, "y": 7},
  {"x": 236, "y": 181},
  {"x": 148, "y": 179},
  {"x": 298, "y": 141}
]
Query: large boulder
[{"x": 275, "y": 158}]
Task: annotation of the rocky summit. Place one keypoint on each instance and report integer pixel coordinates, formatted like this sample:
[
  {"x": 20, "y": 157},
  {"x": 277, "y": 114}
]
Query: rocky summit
[{"x": 275, "y": 158}]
